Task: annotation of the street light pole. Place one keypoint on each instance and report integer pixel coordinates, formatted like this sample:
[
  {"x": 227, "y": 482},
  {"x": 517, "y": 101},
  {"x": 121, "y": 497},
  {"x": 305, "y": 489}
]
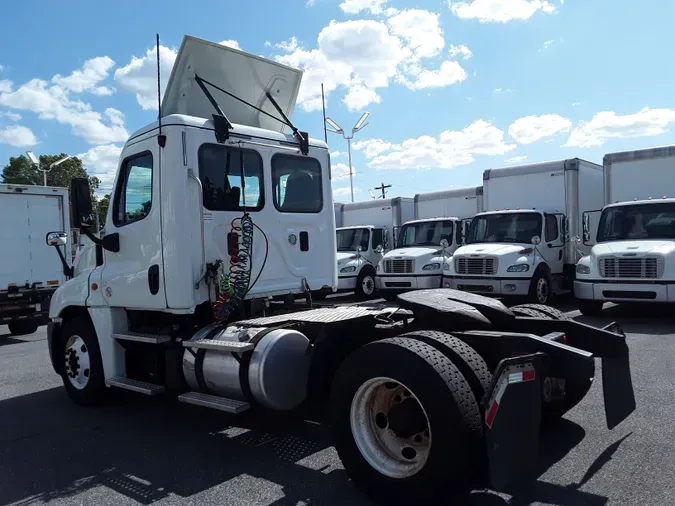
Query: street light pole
[
  {"x": 35, "y": 160},
  {"x": 337, "y": 129}
]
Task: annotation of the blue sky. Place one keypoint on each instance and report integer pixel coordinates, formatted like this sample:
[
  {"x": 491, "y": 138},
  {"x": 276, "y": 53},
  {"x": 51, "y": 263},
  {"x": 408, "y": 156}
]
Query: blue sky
[{"x": 453, "y": 87}]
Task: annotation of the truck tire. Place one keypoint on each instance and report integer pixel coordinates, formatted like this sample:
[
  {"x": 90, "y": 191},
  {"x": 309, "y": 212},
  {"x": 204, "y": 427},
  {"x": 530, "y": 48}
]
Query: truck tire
[
  {"x": 541, "y": 287},
  {"x": 22, "y": 328},
  {"x": 590, "y": 307},
  {"x": 83, "y": 375},
  {"x": 365, "y": 283},
  {"x": 468, "y": 361},
  {"x": 549, "y": 311},
  {"x": 383, "y": 384}
]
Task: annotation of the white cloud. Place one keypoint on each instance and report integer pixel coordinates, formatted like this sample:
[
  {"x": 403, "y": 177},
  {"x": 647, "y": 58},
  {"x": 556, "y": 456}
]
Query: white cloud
[
  {"x": 310, "y": 3},
  {"x": 54, "y": 102},
  {"x": 450, "y": 72},
  {"x": 102, "y": 91},
  {"x": 342, "y": 193},
  {"x": 462, "y": 50},
  {"x": 116, "y": 117},
  {"x": 10, "y": 115},
  {"x": 340, "y": 171},
  {"x": 356, "y": 6},
  {"x": 88, "y": 77},
  {"x": 2, "y": 68},
  {"x": 450, "y": 149},
  {"x": 529, "y": 129},
  {"x": 230, "y": 43},
  {"x": 18, "y": 136},
  {"x": 499, "y": 11},
  {"x": 545, "y": 45},
  {"x": 516, "y": 159},
  {"x": 610, "y": 125},
  {"x": 289, "y": 45},
  {"x": 5, "y": 85},
  {"x": 576, "y": 104},
  {"x": 373, "y": 147},
  {"x": 335, "y": 154},
  {"x": 365, "y": 55},
  {"x": 498, "y": 91},
  {"x": 139, "y": 76},
  {"x": 101, "y": 161}
]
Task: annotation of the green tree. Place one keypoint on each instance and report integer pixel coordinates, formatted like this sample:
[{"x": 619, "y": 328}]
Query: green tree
[
  {"x": 21, "y": 171},
  {"x": 102, "y": 207}
]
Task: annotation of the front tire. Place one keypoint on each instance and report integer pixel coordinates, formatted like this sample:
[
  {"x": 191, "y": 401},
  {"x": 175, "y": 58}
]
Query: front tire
[
  {"x": 22, "y": 328},
  {"x": 83, "y": 375},
  {"x": 541, "y": 288},
  {"x": 392, "y": 400},
  {"x": 590, "y": 307},
  {"x": 365, "y": 284}
]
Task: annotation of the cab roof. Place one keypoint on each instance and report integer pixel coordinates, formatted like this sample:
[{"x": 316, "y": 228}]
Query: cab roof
[
  {"x": 435, "y": 218},
  {"x": 662, "y": 200}
]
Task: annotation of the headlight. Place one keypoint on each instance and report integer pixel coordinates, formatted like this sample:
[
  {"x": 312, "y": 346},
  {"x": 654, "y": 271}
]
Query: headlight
[
  {"x": 519, "y": 268},
  {"x": 446, "y": 266},
  {"x": 377, "y": 268},
  {"x": 583, "y": 269},
  {"x": 432, "y": 267},
  {"x": 350, "y": 268}
]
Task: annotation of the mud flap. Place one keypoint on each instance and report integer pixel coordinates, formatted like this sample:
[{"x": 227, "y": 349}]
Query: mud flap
[
  {"x": 512, "y": 419},
  {"x": 617, "y": 385}
]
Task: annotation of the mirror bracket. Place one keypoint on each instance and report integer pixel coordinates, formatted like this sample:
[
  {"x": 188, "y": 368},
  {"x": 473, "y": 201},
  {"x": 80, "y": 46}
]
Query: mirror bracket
[{"x": 109, "y": 242}]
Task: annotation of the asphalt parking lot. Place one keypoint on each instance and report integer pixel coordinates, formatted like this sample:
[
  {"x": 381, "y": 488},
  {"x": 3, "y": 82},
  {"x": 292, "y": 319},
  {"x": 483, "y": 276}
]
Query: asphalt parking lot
[{"x": 140, "y": 450}]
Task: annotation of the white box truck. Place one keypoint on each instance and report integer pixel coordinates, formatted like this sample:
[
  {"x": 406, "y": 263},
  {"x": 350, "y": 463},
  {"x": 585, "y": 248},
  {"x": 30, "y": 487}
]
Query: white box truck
[
  {"x": 368, "y": 229},
  {"x": 29, "y": 271},
  {"x": 520, "y": 246},
  {"x": 418, "y": 260},
  {"x": 633, "y": 242}
]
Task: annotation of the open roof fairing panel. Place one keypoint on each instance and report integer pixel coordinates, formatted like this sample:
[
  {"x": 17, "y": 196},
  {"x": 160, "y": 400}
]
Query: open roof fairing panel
[{"x": 246, "y": 76}]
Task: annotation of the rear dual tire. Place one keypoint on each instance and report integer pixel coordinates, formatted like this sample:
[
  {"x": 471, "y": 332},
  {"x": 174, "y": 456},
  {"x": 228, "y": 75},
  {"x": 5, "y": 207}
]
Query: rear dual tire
[{"x": 407, "y": 426}]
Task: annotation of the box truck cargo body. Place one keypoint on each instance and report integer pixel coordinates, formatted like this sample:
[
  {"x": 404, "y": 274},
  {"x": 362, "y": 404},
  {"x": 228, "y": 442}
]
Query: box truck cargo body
[
  {"x": 369, "y": 228},
  {"x": 460, "y": 202},
  {"x": 633, "y": 238},
  {"x": 521, "y": 244},
  {"x": 29, "y": 271}
]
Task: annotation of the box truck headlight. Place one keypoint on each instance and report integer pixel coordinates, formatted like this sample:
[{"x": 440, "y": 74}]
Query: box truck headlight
[
  {"x": 432, "y": 267},
  {"x": 377, "y": 268},
  {"x": 446, "y": 266},
  {"x": 350, "y": 268},
  {"x": 583, "y": 269},
  {"x": 519, "y": 268}
]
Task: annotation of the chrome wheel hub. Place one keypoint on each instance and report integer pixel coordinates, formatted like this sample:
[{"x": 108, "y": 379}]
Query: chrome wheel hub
[{"x": 78, "y": 365}]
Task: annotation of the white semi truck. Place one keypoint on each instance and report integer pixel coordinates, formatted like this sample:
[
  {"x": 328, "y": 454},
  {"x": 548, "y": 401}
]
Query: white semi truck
[
  {"x": 368, "y": 229},
  {"x": 521, "y": 245},
  {"x": 426, "y": 242},
  {"x": 417, "y": 415},
  {"x": 29, "y": 271},
  {"x": 633, "y": 254}
]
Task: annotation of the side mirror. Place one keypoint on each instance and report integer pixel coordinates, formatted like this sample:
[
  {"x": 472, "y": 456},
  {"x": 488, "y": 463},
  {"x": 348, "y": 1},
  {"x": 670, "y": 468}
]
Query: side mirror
[
  {"x": 56, "y": 239},
  {"x": 81, "y": 204},
  {"x": 444, "y": 243},
  {"x": 379, "y": 249},
  {"x": 535, "y": 240}
]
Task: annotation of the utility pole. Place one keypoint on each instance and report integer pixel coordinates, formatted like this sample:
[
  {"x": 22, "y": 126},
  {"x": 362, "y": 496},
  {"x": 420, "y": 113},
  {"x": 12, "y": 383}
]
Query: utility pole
[
  {"x": 337, "y": 129},
  {"x": 382, "y": 188}
]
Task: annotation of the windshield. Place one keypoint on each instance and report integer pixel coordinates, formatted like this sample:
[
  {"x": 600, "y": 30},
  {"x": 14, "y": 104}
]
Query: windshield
[
  {"x": 351, "y": 238},
  {"x": 506, "y": 227},
  {"x": 425, "y": 233},
  {"x": 642, "y": 221}
]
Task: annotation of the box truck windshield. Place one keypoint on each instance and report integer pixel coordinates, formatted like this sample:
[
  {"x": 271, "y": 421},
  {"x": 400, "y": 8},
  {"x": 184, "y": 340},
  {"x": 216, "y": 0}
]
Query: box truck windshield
[
  {"x": 428, "y": 233},
  {"x": 639, "y": 221},
  {"x": 351, "y": 238},
  {"x": 505, "y": 227}
]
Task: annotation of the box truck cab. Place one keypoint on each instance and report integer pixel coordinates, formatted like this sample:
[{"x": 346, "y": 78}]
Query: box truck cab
[
  {"x": 633, "y": 254},
  {"x": 369, "y": 228},
  {"x": 521, "y": 246}
]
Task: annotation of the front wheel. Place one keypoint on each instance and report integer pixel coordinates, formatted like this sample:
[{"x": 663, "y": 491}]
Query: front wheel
[
  {"x": 365, "y": 284},
  {"x": 540, "y": 288},
  {"x": 22, "y": 328},
  {"x": 406, "y": 425},
  {"x": 83, "y": 374},
  {"x": 590, "y": 307}
]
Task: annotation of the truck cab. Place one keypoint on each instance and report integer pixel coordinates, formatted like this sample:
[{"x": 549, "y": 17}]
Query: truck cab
[
  {"x": 419, "y": 259},
  {"x": 633, "y": 256},
  {"x": 359, "y": 250}
]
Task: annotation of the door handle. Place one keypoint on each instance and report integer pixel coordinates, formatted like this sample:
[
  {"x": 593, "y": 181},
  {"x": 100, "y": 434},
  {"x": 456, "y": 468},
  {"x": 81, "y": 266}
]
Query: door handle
[
  {"x": 304, "y": 241},
  {"x": 153, "y": 279}
]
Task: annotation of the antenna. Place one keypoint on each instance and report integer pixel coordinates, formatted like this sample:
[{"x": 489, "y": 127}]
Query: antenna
[
  {"x": 323, "y": 105},
  {"x": 161, "y": 140}
]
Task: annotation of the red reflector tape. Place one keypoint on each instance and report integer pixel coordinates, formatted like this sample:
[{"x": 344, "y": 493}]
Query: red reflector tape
[
  {"x": 528, "y": 375},
  {"x": 490, "y": 417}
]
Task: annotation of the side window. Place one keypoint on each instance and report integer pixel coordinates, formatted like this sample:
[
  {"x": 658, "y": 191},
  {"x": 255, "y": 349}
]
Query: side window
[
  {"x": 296, "y": 182},
  {"x": 221, "y": 170},
  {"x": 378, "y": 237},
  {"x": 133, "y": 195},
  {"x": 551, "y": 233}
]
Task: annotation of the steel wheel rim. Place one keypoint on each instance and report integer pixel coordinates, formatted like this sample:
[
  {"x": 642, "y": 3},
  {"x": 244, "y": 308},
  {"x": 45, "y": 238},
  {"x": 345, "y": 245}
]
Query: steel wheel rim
[
  {"x": 368, "y": 285},
  {"x": 78, "y": 363},
  {"x": 542, "y": 290},
  {"x": 386, "y": 452}
]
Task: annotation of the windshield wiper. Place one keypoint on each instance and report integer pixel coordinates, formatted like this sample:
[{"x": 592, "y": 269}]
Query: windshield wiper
[{"x": 223, "y": 126}]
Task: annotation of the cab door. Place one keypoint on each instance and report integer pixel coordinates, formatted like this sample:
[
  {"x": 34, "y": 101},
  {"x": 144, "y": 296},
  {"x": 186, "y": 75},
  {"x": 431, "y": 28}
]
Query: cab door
[
  {"x": 553, "y": 241},
  {"x": 134, "y": 276}
]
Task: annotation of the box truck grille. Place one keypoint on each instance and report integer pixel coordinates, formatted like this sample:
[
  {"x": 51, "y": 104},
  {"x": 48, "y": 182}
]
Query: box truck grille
[
  {"x": 476, "y": 266},
  {"x": 399, "y": 267},
  {"x": 642, "y": 268}
]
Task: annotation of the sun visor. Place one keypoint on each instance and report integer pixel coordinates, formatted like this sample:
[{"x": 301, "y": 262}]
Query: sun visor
[{"x": 244, "y": 75}]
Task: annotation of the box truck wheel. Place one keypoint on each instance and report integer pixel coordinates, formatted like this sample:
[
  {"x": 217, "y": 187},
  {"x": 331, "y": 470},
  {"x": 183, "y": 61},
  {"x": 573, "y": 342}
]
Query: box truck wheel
[
  {"x": 83, "y": 368},
  {"x": 22, "y": 328},
  {"x": 540, "y": 287},
  {"x": 590, "y": 307},
  {"x": 365, "y": 283},
  {"x": 406, "y": 425}
]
